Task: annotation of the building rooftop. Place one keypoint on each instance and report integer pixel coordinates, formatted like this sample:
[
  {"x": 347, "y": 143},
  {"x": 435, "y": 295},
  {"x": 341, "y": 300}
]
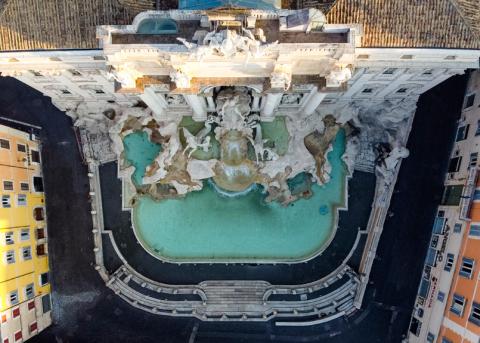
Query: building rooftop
[{"x": 55, "y": 24}]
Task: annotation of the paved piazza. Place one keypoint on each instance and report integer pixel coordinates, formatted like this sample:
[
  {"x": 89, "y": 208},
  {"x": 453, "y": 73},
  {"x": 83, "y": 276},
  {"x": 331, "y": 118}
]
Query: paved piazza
[{"x": 223, "y": 173}]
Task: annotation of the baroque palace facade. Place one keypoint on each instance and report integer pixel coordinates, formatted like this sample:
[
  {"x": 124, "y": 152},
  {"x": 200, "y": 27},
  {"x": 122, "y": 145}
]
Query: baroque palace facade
[{"x": 357, "y": 67}]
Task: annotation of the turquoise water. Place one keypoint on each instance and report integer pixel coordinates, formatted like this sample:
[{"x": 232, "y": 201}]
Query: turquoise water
[
  {"x": 140, "y": 152},
  {"x": 205, "y": 226}
]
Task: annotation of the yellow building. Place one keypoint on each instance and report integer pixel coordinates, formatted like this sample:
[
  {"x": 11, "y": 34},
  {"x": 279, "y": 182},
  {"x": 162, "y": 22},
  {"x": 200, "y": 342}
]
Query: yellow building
[{"x": 25, "y": 305}]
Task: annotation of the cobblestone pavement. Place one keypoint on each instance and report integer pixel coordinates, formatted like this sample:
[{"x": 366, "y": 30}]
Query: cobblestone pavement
[{"x": 86, "y": 311}]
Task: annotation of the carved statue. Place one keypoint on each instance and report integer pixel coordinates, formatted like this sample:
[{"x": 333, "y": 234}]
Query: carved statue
[
  {"x": 193, "y": 143},
  {"x": 180, "y": 78},
  {"x": 261, "y": 152},
  {"x": 228, "y": 43},
  {"x": 338, "y": 76},
  {"x": 176, "y": 100},
  {"x": 291, "y": 99}
]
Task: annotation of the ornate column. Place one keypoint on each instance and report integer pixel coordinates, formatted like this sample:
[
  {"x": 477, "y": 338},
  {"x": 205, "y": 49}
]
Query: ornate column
[
  {"x": 210, "y": 102},
  {"x": 156, "y": 102},
  {"x": 256, "y": 101},
  {"x": 269, "y": 105},
  {"x": 198, "y": 105},
  {"x": 311, "y": 104}
]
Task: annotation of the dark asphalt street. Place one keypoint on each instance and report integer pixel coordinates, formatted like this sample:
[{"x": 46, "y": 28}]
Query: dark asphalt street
[{"x": 86, "y": 311}]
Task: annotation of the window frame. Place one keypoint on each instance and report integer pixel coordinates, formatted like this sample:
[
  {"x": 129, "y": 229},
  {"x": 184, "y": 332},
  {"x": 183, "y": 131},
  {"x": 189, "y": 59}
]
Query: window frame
[
  {"x": 32, "y": 152},
  {"x": 42, "y": 212},
  {"x": 34, "y": 184},
  {"x": 462, "y": 132},
  {"x": 24, "y": 147},
  {"x": 457, "y": 297},
  {"x": 465, "y": 273},
  {"x": 3, "y": 140},
  {"x": 9, "y": 238},
  {"x": 23, "y": 202},
  {"x": 26, "y": 253},
  {"x": 22, "y": 234},
  {"x": 10, "y": 182},
  {"x": 27, "y": 189},
  {"x": 17, "y": 299},
  {"x": 6, "y": 201},
  {"x": 30, "y": 291},
  {"x": 473, "y": 159},
  {"x": 43, "y": 247},
  {"x": 449, "y": 262},
  {"x": 471, "y": 318},
  {"x": 469, "y": 100},
  {"x": 10, "y": 257}
]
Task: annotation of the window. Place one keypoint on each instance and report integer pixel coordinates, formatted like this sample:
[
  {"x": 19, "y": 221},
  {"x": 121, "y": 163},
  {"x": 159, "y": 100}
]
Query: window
[
  {"x": 16, "y": 312},
  {"x": 18, "y": 335},
  {"x": 29, "y": 291},
  {"x": 431, "y": 258},
  {"x": 449, "y": 262},
  {"x": 41, "y": 250},
  {"x": 65, "y": 91},
  {"x": 24, "y": 186},
  {"x": 5, "y": 340},
  {"x": 476, "y": 194},
  {"x": 31, "y": 305},
  {"x": 21, "y": 200},
  {"x": 13, "y": 297},
  {"x": 25, "y": 234},
  {"x": 7, "y": 185},
  {"x": 367, "y": 90},
  {"x": 474, "y": 230},
  {"x": 38, "y": 213},
  {"x": 438, "y": 225},
  {"x": 363, "y": 57},
  {"x": 446, "y": 340},
  {"x": 6, "y": 201},
  {"x": 10, "y": 256},
  {"x": 389, "y": 71},
  {"x": 75, "y": 72},
  {"x": 99, "y": 91},
  {"x": 32, "y": 327},
  {"x": 467, "y": 267},
  {"x": 458, "y": 304},
  {"x": 451, "y": 57},
  {"x": 457, "y": 228},
  {"x": 40, "y": 233},
  {"x": 475, "y": 314},
  {"x": 462, "y": 132},
  {"x": 469, "y": 100},
  {"x": 21, "y": 147},
  {"x": 35, "y": 156},
  {"x": 43, "y": 279},
  {"x": 38, "y": 184},
  {"x": 430, "y": 337},
  {"x": 4, "y": 144},
  {"x": 9, "y": 238},
  {"x": 454, "y": 165},
  {"x": 473, "y": 159},
  {"x": 4, "y": 318},
  {"x": 27, "y": 253},
  {"x": 406, "y": 57},
  {"x": 441, "y": 296},
  {"x": 402, "y": 90},
  {"x": 36, "y": 73},
  {"x": 46, "y": 305},
  {"x": 428, "y": 72}
]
